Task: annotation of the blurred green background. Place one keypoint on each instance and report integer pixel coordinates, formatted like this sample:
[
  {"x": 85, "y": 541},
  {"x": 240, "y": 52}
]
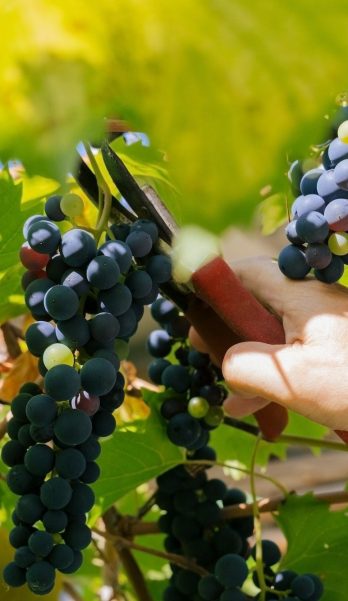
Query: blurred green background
[{"x": 228, "y": 90}]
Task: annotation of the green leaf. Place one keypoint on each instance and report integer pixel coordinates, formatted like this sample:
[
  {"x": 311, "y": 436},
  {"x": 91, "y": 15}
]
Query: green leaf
[
  {"x": 222, "y": 90},
  {"x": 36, "y": 187},
  {"x": 235, "y": 445},
  {"x": 14, "y": 211},
  {"x": 11, "y": 237},
  {"x": 273, "y": 213},
  {"x": 148, "y": 166},
  {"x": 134, "y": 455},
  {"x": 317, "y": 542},
  {"x": 11, "y": 293}
]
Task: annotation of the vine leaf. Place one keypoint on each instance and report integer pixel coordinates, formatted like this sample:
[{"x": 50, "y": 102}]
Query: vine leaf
[
  {"x": 235, "y": 445},
  {"x": 135, "y": 454},
  {"x": 13, "y": 214},
  {"x": 273, "y": 213},
  {"x": 317, "y": 542}
]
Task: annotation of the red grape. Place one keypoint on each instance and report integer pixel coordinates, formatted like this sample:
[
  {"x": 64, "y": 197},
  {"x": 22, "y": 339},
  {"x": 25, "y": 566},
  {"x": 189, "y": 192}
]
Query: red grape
[
  {"x": 86, "y": 402},
  {"x": 31, "y": 259}
]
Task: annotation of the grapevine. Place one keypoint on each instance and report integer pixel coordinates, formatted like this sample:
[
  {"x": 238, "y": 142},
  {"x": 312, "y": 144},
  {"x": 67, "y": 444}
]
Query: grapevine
[{"x": 86, "y": 289}]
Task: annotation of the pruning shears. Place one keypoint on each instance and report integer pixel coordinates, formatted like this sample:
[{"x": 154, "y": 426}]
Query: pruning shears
[{"x": 223, "y": 315}]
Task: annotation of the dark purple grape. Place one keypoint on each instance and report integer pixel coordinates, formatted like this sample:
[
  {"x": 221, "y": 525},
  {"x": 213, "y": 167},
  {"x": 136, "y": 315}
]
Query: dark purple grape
[{"x": 318, "y": 255}]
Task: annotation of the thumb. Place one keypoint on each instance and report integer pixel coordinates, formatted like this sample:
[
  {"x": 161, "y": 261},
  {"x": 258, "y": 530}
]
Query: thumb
[{"x": 264, "y": 370}]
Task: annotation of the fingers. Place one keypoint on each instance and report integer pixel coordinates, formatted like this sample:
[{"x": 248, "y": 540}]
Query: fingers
[
  {"x": 262, "y": 277},
  {"x": 262, "y": 370}
]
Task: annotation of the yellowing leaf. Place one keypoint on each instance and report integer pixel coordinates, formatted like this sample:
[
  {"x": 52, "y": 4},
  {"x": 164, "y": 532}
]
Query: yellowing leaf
[
  {"x": 133, "y": 407},
  {"x": 24, "y": 369}
]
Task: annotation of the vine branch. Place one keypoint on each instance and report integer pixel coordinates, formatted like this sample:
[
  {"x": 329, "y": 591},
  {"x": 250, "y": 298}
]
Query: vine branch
[
  {"x": 266, "y": 505},
  {"x": 122, "y": 543},
  {"x": 306, "y": 441},
  {"x": 71, "y": 591},
  {"x": 134, "y": 575},
  {"x": 111, "y": 520},
  {"x": 3, "y": 427},
  {"x": 179, "y": 560},
  {"x": 11, "y": 340}
]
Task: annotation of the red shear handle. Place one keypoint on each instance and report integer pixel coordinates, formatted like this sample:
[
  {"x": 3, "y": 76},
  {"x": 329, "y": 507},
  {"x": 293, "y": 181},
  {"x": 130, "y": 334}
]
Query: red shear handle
[{"x": 218, "y": 286}]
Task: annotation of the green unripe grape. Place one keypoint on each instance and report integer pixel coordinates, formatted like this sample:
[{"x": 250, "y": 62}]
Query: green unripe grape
[
  {"x": 72, "y": 205},
  {"x": 214, "y": 416},
  {"x": 198, "y": 407},
  {"x": 342, "y": 132},
  {"x": 56, "y": 354},
  {"x": 121, "y": 348},
  {"x": 338, "y": 243}
]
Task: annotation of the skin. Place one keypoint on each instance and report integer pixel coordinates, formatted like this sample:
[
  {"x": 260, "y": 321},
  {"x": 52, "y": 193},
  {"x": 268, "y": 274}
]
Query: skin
[{"x": 307, "y": 374}]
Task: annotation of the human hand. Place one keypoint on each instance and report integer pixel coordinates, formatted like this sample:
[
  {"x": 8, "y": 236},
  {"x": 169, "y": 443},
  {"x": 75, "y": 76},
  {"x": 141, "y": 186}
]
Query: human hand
[{"x": 308, "y": 373}]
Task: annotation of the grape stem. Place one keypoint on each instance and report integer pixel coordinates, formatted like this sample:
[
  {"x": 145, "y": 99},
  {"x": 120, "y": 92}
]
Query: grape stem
[
  {"x": 278, "y": 593},
  {"x": 307, "y": 441},
  {"x": 146, "y": 507},
  {"x": 104, "y": 194},
  {"x": 257, "y": 524},
  {"x": 88, "y": 182},
  {"x": 244, "y": 470}
]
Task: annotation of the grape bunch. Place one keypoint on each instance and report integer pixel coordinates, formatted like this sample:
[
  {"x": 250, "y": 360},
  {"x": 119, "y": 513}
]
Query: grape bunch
[
  {"x": 318, "y": 230},
  {"x": 196, "y": 528},
  {"x": 192, "y": 505},
  {"x": 194, "y": 389},
  {"x": 87, "y": 302}
]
